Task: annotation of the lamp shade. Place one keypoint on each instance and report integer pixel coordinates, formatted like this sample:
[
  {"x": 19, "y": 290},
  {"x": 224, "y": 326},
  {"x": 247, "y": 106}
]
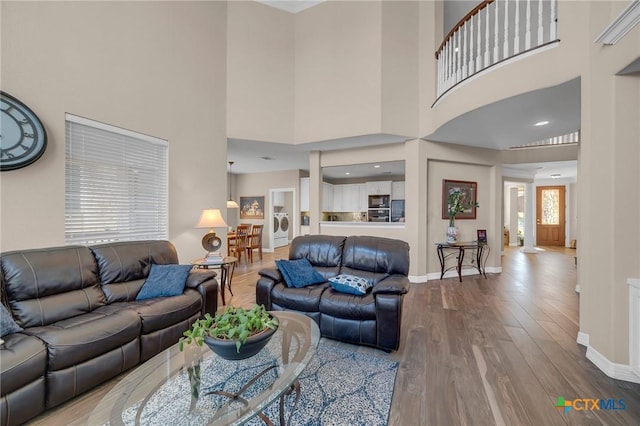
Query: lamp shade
[
  {"x": 211, "y": 218},
  {"x": 232, "y": 204}
]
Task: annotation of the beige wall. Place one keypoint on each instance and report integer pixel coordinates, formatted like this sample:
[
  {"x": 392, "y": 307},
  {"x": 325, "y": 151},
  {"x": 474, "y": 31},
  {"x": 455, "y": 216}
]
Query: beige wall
[
  {"x": 259, "y": 184},
  {"x": 155, "y": 68},
  {"x": 260, "y": 63},
  {"x": 338, "y": 79},
  {"x": 609, "y": 200}
]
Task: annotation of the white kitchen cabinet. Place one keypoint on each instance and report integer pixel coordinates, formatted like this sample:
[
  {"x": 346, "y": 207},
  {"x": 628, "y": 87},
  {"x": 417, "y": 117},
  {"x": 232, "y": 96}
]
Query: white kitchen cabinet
[
  {"x": 363, "y": 197},
  {"x": 397, "y": 190},
  {"x": 338, "y": 199},
  {"x": 382, "y": 187},
  {"x": 327, "y": 197},
  {"x": 304, "y": 194}
]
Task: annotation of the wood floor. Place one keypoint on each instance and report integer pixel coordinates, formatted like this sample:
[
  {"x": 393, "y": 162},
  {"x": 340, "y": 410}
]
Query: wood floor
[{"x": 482, "y": 352}]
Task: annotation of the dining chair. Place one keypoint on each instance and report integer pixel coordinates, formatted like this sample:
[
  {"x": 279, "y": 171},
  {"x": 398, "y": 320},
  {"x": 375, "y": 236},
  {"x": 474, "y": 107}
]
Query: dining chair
[
  {"x": 240, "y": 243},
  {"x": 254, "y": 242}
]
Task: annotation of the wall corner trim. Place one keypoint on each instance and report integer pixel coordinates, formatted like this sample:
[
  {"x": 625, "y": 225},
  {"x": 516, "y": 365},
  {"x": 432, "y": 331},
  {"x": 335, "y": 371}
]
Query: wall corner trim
[{"x": 612, "y": 369}]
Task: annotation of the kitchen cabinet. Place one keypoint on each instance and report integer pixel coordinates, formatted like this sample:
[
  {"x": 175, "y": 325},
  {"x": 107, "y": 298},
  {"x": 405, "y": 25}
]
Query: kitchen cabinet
[
  {"x": 363, "y": 197},
  {"x": 382, "y": 187},
  {"x": 397, "y": 190},
  {"x": 304, "y": 194},
  {"x": 350, "y": 198},
  {"x": 327, "y": 197}
]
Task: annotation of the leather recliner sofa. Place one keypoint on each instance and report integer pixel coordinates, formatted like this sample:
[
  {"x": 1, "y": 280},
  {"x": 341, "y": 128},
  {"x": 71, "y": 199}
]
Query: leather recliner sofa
[
  {"x": 372, "y": 319},
  {"x": 81, "y": 322}
]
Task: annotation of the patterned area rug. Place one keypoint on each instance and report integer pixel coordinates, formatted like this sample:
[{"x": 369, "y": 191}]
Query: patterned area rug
[
  {"x": 338, "y": 387},
  {"x": 341, "y": 387}
]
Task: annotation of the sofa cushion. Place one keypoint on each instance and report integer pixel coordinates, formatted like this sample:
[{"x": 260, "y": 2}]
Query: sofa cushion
[
  {"x": 323, "y": 251},
  {"x": 348, "y": 306},
  {"x": 7, "y": 324},
  {"x": 78, "y": 339},
  {"x": 299, "y": 273},
  {"x": 375, "y": 258},
  {"x": 23, "y": 360},
  {"x": 163, "y": 312},
  {"x": 44, "y": 286},
  {"x": 350, "y": 284},
  {"x": 164, "y": 281},
  {"x": 123, "y": 266},
  {"x": 305, "y": 299}
]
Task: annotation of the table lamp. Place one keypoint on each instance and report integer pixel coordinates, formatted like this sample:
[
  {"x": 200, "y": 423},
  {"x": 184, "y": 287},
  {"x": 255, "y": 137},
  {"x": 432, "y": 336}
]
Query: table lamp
[{"x": 211, "y": 218}]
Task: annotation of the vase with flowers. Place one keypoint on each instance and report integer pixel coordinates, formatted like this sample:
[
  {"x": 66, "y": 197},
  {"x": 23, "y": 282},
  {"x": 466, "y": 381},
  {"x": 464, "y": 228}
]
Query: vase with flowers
[{"x": 457, "y": 202}]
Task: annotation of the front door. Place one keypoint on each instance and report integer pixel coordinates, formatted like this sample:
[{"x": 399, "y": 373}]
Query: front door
[{"x": 550, "y": 216}]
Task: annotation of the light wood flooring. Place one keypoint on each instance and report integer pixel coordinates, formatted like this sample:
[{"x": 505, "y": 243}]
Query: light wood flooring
[{"x": 482, "y": 352}]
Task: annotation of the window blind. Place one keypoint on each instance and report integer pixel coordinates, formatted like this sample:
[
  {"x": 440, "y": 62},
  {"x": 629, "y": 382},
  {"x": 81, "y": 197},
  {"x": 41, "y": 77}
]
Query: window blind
[{"x": 116, "y": 184}]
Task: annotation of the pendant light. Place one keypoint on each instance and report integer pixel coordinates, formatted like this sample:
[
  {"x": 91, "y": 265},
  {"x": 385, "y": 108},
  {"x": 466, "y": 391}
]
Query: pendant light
[{"x": 230, "y": 203}]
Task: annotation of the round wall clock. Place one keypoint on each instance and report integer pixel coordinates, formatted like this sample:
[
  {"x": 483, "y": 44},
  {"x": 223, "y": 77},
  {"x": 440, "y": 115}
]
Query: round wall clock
[{"x": 22, "y": 135}]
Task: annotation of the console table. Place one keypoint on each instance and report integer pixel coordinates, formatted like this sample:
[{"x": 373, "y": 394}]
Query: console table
[{"x": 479, "y": 254}]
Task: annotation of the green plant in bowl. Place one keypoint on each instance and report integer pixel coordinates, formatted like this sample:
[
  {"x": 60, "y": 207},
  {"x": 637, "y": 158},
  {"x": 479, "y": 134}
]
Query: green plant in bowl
[{"x": 233, "y": 324}]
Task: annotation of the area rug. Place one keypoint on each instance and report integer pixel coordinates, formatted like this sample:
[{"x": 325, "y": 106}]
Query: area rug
[
  {"x": 341, "y": 387},
  {"x": 338, "y": 387}
]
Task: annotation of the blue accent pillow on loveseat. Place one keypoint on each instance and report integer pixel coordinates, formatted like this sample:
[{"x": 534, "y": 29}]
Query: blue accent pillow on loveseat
[{"x": 299, "y": 273}]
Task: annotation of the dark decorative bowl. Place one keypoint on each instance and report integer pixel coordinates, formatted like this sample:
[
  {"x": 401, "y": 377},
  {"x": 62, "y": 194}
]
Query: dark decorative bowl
[{"x": 227, "y": 348}]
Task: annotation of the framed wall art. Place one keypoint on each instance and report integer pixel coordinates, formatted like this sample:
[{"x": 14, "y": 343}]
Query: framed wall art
[
  {"x": 460, "y": 198},
  {"x": 252, "y": 207}
]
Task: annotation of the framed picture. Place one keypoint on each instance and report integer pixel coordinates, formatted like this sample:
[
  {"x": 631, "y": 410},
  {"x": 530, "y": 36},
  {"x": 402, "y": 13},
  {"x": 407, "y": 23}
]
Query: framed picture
[
  {"x": 482, "y": 236},
  {"x": 468, "y": 197},
  {"x": 252, "y": 207}
]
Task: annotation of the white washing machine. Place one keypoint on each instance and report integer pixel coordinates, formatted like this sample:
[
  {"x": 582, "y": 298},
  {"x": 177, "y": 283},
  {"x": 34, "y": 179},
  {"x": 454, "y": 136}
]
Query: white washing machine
[{"x": 280, "y": 229}]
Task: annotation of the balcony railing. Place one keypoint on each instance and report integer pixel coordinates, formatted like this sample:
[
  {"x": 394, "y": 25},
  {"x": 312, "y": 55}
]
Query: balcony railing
[{"x": 494, "y": 31}]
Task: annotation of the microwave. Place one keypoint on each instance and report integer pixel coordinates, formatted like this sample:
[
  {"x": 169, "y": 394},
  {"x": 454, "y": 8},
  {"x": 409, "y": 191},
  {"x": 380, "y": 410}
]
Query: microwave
[{"x": 379, "y": 201}]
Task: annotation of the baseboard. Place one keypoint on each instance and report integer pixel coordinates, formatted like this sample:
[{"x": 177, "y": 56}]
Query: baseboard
[
  {"x": 418, "y": 278},
  {"x": 611, "y": 369},
  {"x": 583, "y": 339}
]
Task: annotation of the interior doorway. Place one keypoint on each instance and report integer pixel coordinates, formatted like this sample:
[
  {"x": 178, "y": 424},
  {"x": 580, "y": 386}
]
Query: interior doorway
[{"x": 550, "y": 216}]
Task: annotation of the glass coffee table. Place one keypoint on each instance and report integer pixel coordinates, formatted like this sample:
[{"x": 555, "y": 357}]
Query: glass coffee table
[{"x": 197, "y": 387}]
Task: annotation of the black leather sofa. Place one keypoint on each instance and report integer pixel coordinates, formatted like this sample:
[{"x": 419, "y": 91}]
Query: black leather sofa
[
  {"x": 82, "y": 324},
  {"x": 373, "y": 319}
]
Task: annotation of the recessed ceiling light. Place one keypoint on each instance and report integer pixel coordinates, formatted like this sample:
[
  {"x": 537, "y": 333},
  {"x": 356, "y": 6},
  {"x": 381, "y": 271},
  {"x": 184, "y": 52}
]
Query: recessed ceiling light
[
  {"x": 347, "y": 173},
  {"x": 377, "y": 166},
  {"x": 555, "y": 175},
  {"x": 542, "y": 123}
]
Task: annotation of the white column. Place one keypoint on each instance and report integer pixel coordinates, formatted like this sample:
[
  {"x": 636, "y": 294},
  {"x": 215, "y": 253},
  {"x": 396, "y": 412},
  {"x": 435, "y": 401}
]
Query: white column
[
  {"x": 529, "y": 219},
  {"x": 513, "y": 216}
]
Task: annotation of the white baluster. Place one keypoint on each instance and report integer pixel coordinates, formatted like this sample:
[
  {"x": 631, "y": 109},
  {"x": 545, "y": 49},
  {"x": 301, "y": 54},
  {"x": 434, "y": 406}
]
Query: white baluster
[
  {"x": 465, "y": 53},
  {"x": 479, "y": 49},
  {"x": 449, "y": 64},
  {"x": 540, "y": 30},
  {"x": 486, "y": 37},
  {"x": 553, "y": 24},
  {"x": 527, "y": 34},
  {"x": 516, "y": 38},
  {"x": 458, "y": 56},
  {"x": 496, "y": 45},
  {"x": 472, "y": 66},
  {"x": 505, "y": 47}
]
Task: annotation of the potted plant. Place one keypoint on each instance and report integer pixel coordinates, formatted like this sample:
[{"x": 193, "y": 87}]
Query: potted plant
[
  {"x": 456, "y": 203},
  {"x": 235, "y": 333}
]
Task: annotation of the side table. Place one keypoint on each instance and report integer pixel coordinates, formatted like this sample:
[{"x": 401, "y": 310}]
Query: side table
[
  {"x": 227, "y": 265},
  {"x": 480, "y": 255}
]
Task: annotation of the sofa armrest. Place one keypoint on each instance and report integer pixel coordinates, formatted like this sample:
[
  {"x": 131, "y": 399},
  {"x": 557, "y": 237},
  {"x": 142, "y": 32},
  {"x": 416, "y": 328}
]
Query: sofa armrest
[
  {"x": 394, "y": 284},
  {"x": 271, "y": 273},
  {"x": 269, "y": 277},
  {"x": 198, "y": 276},
  {"x": 205, "y": 283}
]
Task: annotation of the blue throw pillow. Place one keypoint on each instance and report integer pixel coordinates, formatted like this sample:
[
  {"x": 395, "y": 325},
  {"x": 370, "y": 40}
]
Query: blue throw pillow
[
  {"x": 350, "y": 284},
  {"x": 7, "y": 324},
  {"x": 164, "y": 280},
  {"x": 299, "y": 273}
]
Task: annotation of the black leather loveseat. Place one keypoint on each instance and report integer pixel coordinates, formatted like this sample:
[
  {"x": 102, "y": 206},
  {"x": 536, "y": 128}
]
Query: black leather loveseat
[
  {"x": 82, "y": 324},
  {"x": 371, "y": 319}
]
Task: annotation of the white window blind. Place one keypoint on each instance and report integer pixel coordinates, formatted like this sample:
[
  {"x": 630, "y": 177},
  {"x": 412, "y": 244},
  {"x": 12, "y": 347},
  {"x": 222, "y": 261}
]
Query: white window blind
[{"x": 116, "y": 184}]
